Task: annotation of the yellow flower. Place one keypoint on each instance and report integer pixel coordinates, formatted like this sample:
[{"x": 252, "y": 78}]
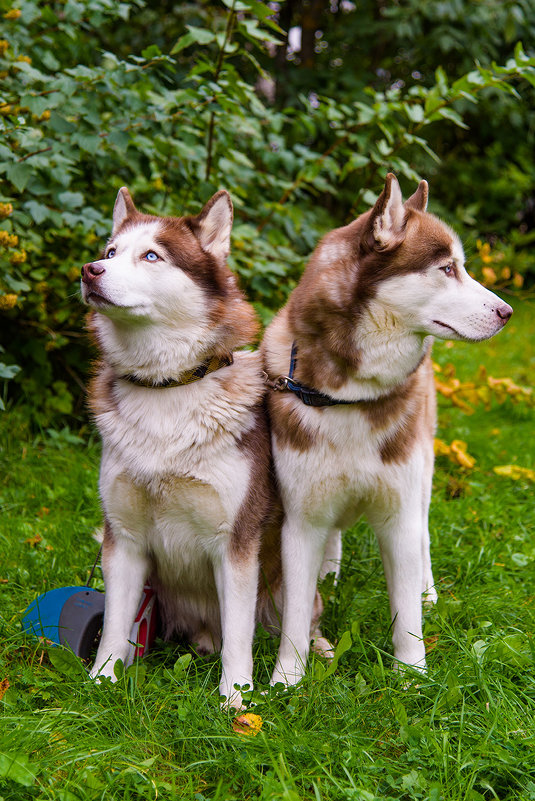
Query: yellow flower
[
  {"x": 4, "y": 46},
  {"x": 44, "y": 116},
  {"x": 5, "y": 210},
  {"x": 489, "y": 275},
  {"x": 8, "y": 240},
  {"x": 7, "y": 301},
  {"x": 27, "y": 59},
  {"x": 13, "y": 13},
  {"x": 19, "y": 257},
  {"x": 247, "y": 724},
  {"x": 518, "y": 280}
]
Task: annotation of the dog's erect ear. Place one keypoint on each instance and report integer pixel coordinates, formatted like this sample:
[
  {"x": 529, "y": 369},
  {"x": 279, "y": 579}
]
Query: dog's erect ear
[
  {"x": 124, "y": 206},
  {"x": 213, "y": 225},
  {"x": 418, "y": 201},
  {"x": 388, "y": 215}
]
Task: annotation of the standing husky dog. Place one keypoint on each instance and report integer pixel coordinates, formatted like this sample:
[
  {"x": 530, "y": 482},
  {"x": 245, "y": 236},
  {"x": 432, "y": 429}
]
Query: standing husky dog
[
  {"x": 186, "y": 486},
  {"x": 354, "y": 423}
]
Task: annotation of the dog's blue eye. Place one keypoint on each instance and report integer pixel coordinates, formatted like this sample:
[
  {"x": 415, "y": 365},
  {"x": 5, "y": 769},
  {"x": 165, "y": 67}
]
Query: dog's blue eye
[
  {"x": 111, "y": 253},
  {"x": 448, "y": 269},
  {"x": 151, "y": 256}
]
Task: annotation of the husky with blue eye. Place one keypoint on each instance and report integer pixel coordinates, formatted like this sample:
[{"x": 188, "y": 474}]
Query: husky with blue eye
[
  {"x": 353, "y": 404},
  {"x": 186, "y": 481}
]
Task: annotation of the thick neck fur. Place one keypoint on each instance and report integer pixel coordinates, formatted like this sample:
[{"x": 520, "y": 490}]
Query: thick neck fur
[
  {"x": 149, "y": 351},
  {"x": 389, "y": 353},
  {"x": 157, "y": 352}
]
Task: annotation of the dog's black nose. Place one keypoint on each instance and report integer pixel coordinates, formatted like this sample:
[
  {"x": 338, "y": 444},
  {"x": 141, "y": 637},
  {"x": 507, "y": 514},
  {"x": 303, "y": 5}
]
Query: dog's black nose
[
  {"x": 91, "y": 270},
  {"x": 504, "y": 311}
]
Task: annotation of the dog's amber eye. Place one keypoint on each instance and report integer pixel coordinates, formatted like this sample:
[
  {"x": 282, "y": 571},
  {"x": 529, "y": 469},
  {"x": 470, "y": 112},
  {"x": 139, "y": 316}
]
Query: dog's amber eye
[
  {"x": 111, "y": 253},
  {"x": 151, "y": 256}
]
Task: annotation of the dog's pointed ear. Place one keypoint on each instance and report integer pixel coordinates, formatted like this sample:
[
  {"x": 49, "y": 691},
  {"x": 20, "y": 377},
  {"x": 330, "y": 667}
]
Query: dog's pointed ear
[
  {"x": 418, "y": 201},
  {"x": 213, "y": 225},
  {"x": 124, "y": 207},
  {"x": 388, "y": 215}
]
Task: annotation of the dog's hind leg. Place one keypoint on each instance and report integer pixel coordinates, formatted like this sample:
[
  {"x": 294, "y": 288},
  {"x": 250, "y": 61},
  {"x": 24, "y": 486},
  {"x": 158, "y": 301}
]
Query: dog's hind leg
[
  {"x": 237, "y": 586},
  {"x": 332, "y": 557},
  {"x": 303, "y": 548},
  {"x": 125, "y": 570},
  {"x": 429, "y": 591}
]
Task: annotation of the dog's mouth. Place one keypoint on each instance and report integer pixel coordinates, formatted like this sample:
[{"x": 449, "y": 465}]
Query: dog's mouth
[
  {"x": 448, "y": 328},
  {"x": 95, "y": 298}
]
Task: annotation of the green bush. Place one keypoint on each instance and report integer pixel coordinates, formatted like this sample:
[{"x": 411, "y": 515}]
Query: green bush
[{"x": 169, "y": 101}]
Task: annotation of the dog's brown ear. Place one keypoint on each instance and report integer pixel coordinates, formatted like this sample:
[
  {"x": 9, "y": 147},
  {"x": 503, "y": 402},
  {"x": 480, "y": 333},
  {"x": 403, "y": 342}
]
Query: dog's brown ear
[
  {"x": 124, "y": 207},
  {"x": 418, "y": 201},
  {"x": 388, "y": 215},
  {"x": 213, "y": 225}
]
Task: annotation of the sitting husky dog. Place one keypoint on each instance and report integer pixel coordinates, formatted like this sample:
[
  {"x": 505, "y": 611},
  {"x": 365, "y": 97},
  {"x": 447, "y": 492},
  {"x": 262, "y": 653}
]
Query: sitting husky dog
[
  {"x": 353, "y": 424},
  {"x": 186, "y": 484}
]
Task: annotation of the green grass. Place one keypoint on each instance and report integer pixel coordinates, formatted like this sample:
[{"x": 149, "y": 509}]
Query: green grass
[{"x": 464, "y": 731}]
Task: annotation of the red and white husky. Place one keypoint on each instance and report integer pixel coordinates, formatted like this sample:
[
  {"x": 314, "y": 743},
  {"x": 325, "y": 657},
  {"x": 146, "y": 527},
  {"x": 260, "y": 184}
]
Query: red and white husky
[
  {"x": 187, "y": 491},
  {"x": 352, "y": 428}
]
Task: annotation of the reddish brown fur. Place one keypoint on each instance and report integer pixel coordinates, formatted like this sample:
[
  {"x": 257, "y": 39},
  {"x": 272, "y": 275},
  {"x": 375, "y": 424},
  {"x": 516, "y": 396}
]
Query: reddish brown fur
[
  {"x": 411, "y": 410},
  {"x": 261, "y": 499},
  {"x": 100, "y": 392},
  {"x": 286, "y": 423}
]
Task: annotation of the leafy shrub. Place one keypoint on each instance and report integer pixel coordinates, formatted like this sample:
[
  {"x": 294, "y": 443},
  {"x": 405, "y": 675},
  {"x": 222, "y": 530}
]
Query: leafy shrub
[{"x": 167, "y": 100}]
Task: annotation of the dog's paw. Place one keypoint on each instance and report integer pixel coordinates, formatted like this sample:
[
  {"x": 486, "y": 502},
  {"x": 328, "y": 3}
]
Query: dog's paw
[
  {"x": 287, "y": 676},
  {"x": 232, "y": 698},
  {"x": 430, "y": 597},
  {"x": 322, "y": 647},
  {"x": 106, "y": 671},
  {"x": 410, "y": 663}
]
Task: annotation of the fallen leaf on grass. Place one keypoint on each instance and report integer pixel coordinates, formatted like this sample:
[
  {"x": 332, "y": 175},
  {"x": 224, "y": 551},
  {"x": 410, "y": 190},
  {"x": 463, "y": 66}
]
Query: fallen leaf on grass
[
  {"x": 33, "y": 541},
  {"x": 515, "y": 472},
  {"x": 4, "y": 686},
  {"x": 456, "y": 452},
  {"x": 248, "y": 724}
]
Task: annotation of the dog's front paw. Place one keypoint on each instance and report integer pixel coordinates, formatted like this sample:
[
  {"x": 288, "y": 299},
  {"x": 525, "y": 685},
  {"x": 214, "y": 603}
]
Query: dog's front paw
[
  {"x": 404, "y": 664},
  {"x": 288, "y": 675},
  {"x": 232, "y": 697},
  {"x": 430, "y": 597},
  {"x": 322, "y": 647},
  {"x": 105, "y": 671}
]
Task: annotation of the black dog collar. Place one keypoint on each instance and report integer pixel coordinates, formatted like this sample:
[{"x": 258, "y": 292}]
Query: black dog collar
[{"x": 308, "y": 395}]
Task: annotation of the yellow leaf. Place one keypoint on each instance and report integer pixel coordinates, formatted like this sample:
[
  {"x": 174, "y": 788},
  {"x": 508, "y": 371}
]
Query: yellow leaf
[
  {"x": 4, "y": 686},
  {"x": 458, "y": 449},
  {"x": 247, "y": 724},
  {"x": 515, "y": 472},
  {"x": 456, "y": 452}
]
